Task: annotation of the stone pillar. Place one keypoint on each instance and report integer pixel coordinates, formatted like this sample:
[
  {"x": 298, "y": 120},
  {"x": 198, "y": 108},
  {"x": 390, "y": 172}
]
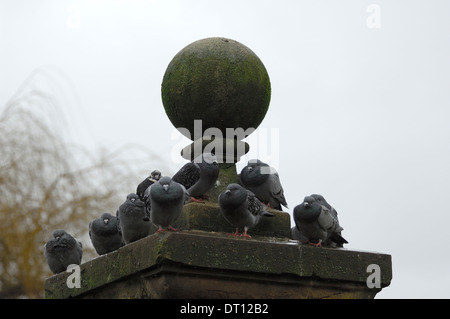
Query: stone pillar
[
  {"x": 210, "y": 264},
  {"x": 202, "y": 261},
  {"x": 224, "y": 84}
]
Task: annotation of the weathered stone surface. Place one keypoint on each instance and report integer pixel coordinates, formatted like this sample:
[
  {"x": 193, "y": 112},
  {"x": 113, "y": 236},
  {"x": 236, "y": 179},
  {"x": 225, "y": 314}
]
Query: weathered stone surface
[
  {"x": 219, "y": 81},
  {"x": 195, "y": 264},
  {"x": 207, "y": 217},
  {"x": 227, "y": 150}
]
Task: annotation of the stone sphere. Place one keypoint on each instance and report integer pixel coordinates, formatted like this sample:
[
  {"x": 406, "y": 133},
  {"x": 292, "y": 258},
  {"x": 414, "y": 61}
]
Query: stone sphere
[{"x": 218, "y": 81}]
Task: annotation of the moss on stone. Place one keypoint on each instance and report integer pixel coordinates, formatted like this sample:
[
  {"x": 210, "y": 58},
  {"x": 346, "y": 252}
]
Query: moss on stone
[
  {"x": 207, "y": 217},
  {"x": 219, "y": 81},
  {"x": 278, "y": 268}
]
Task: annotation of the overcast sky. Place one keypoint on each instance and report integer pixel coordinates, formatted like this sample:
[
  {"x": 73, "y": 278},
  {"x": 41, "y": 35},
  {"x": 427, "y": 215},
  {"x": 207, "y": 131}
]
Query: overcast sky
[{"x": 359, "y": 111}]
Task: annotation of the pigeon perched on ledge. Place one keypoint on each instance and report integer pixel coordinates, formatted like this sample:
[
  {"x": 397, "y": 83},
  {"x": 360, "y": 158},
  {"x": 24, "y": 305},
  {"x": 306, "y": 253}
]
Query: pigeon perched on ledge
[
  {"x": 317, "y": 223},
  {"x": 146, "y": 183},
  {"x": 241, "y": 208},
  {"x": 62, "y": 250},
  {"x": 167, "y": 199},
  {"x": 105, "y": 234},
  {"x": 133, "y": 220},
  {"x": 264, "y": 182},
  {"x": 198, "y": 176}
]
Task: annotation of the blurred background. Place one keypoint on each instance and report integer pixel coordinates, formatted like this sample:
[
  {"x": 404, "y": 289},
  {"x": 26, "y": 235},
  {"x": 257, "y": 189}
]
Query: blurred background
[{"x": 359, "y": 113}]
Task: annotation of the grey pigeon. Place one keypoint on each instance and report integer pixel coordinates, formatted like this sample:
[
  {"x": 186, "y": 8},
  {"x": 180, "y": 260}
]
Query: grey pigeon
[
  {"x": 105, "y": 234},
  {"x": 241, "y": 208},
  {"x": 62, "y": 250},
  {"x": 316, "y": 223},
  {"x": 264, "y": 182},
  {"x": 167, "y": 199},
  {"x": 296, "y": 234},
  {"x": 146, "y": 183},
  {"x": 133, "y": 220},
  {"x": 198, "y": 176}
]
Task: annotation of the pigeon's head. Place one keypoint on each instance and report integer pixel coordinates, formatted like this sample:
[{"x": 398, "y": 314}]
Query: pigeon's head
[
  {"x": 60, "y": 240},
  {"x": 308, "y": 211},
  {"x": 156, "y": 175},
  {"x": 232, "y": 188},
  {"x": 254, "y": 173},
  {"x": 106, "y": 217},
  {"x": 321, "y": 200},
  {"x": 233, "y": 196},
  {"x": 209, "y": 158},
  {"x": 133, "y": 198},
  {"x": 57, "y": 234},
  {"x": 165, "y": 182},
  {"x": 252, "y": 164},
  {"x": 308, "y": 201},
  {"x": 236, "y": 190}
]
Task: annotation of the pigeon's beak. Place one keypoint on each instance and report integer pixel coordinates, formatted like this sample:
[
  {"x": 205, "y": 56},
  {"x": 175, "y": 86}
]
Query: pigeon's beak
[
  {"x": 306, "y": 204},
  {"x": 106, "y": 221},
  {"x": 166, "y": 187},
  {"x": 250, "y": 169},
  {"x": 227, "y": 191}
]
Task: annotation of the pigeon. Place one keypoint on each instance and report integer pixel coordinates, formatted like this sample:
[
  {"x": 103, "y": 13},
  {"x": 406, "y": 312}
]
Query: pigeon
[
  {"x": 241, "y": 208},
  {"x": 167, "y": 199},
  {"x": 146, "y": 183},
  {"x": 105, "y": 234},
  {"x": 62, "y": 250},
  {"x": 133, "y": 220},
  {"x": 316, "y": 223},
  {"x": 198, "y": 176},
  {"x": 264, "y": 182}
]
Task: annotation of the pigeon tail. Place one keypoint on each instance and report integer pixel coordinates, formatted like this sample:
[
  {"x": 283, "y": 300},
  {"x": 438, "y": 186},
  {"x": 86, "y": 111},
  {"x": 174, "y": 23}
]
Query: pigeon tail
[{"x": 338, "y": 239}]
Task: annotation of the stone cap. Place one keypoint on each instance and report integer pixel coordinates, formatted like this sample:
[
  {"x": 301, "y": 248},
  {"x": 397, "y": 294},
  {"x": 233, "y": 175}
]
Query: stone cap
[{"x": 286, "y": 262}]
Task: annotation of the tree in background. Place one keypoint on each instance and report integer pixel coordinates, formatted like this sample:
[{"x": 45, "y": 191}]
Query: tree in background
[{"x": 46, "y": 184}]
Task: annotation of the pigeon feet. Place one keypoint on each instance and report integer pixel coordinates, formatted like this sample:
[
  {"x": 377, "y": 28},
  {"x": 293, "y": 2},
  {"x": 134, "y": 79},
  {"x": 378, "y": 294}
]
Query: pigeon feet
[
  {"x": 200, "y": 199},
  {"x": 235, "y": 234},
  {"x": 193, "y": 199},
  {"x": 172, "y": 229},
  {"x": 318, "y": 244},
  {"x": 169, "y": 228},
  {"x": 307, "y": 242},
  {"x": 244, "y": 234}
]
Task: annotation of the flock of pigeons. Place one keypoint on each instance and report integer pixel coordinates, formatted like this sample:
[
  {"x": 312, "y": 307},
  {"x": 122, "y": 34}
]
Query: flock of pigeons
[{"x": 159, "y": 201}]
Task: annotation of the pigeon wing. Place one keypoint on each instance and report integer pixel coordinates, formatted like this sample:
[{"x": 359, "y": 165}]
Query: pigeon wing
[
  {"x": 326, "y": 221},
  {"x": 336, "y": 234},
  {"x": 255, "y": 207},
  {"x": 188, "y": 175},
  {"x": 90, "y": 230},
  {"x": 276, "y": 190}
]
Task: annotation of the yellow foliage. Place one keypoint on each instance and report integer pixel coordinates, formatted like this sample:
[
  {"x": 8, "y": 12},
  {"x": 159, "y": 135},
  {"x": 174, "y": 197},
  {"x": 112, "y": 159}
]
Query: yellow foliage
[{"x": 45, "y": 185}]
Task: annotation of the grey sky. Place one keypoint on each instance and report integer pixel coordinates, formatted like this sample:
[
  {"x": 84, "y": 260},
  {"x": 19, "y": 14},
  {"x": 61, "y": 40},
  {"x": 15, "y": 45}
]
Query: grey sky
[{"x": 362, "y": 110}]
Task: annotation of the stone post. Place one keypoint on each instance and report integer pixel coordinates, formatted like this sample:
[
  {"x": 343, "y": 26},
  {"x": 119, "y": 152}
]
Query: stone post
[{"x": 224, "y": 84}]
